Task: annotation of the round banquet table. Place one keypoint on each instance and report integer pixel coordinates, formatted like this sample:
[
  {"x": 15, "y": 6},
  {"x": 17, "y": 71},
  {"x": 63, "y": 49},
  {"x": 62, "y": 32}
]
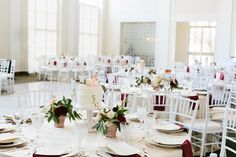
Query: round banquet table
[{"x": 67, "y": 136}]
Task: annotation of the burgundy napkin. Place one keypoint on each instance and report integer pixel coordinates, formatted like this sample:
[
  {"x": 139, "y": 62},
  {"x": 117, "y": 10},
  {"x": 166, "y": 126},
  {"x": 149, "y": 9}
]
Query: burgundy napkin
[
  {"x": 195, "y": 98},
  {"x": 187, "y": 149},
  {"x": 55, "y": 63},
  {"x": 124, "y": 97},
  {"x": 222, "y": 76},
  {"x": 160, "y": 102},
  {"x": 187, "y": 69}
]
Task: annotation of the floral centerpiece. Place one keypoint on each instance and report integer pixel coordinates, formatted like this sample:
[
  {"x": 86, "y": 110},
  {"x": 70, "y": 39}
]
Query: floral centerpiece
[
  {"x": 143, "y": 80},
  {"x": 60, "y": 109},
  {"x": 161, "y": 82},
  {"x": 108, "y": 121},
  {"x": 152, "y": 71}
]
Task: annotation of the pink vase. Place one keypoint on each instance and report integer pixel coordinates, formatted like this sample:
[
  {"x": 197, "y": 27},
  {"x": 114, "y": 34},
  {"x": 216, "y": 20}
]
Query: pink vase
[
  {"x": 111, "y": 132},
  {"x": 61, "y": 122}
]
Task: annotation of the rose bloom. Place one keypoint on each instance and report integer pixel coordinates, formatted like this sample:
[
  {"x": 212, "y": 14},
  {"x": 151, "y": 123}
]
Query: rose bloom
[
  {"x": 111, "y": 115},
  {"x": 145, "y": 80}
]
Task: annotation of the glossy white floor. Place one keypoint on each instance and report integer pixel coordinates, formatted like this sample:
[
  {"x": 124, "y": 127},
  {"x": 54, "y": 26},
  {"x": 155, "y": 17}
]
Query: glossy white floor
[{"x": 9, "y": 102}]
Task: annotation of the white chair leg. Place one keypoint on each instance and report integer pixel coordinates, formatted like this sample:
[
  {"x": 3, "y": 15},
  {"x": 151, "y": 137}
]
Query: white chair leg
[{"x": 203, "y": 145}]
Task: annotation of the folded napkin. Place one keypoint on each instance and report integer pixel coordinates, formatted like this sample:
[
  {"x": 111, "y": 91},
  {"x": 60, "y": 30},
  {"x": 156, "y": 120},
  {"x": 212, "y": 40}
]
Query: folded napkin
[
  {"x": 187, "y": 149},
  {"x": 195, "y": 98},
  {"x": 187, "y": 69}
]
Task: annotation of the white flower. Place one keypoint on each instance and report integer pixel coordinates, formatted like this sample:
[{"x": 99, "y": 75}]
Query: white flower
[
  {"x": 108, "y": 123},
  {"x": 98, "y": 117},
  {"x": 111, "y": 115}
]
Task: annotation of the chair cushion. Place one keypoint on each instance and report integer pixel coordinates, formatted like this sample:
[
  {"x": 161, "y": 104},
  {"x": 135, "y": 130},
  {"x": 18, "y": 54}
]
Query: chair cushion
[
  {"x": 217, "y": 113},
  {"x": 199, "y": 125}
]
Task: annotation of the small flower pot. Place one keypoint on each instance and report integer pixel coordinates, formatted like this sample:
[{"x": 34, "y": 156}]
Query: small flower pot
[
  {"x": 111, "y": 132},
  {"x": 61, "y": 122}
]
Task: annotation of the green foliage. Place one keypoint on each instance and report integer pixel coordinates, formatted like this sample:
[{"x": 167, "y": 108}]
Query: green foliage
[{"x": 62, "y": 107}]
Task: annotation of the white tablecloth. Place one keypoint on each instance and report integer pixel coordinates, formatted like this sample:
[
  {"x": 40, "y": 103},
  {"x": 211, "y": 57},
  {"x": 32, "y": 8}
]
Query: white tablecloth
[{"x": 67, "y": 136}]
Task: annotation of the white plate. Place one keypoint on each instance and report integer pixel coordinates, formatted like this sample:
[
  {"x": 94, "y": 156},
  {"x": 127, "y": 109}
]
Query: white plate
[
  {"x": 168, "y": 127},
  {"x": 50, "y": 150},
  {"x": 149, "y": 141},
  {"x": 6, "y": 130},
  {"x": 122, "y": 149},
  {"x": 8, "y": 138},
  {"x": 15, "y": 144}
]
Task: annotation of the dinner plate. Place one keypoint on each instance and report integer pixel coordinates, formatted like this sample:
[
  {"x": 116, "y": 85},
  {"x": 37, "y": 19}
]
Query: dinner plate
[
  {"x": 14, "y": 144},
  {"x": 149, "y": 141},
  {"x": 168, "y": 127},
  {"x": 8, "y": 138},
  {"x": 122, "y": 149},
  {"x": 6, "y": 130},
  {"x": 54, "y": 150}
]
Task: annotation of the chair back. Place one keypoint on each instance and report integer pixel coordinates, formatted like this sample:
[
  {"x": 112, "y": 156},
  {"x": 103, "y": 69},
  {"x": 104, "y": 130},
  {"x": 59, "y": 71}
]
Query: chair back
[
  {"x": 160, "y": 103},
  {"x": 184, "y": 108},
  {"x": 229, "y": 129}
]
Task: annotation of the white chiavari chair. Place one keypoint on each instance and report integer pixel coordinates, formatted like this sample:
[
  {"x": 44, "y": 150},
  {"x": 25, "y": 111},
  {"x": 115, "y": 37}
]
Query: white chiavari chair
[
  {"x": 51, "y": 72},
  {"x": 32, "y": 101},
  {"x": 229, "y": 131},
  {"x": 160, "y": 103},
  {"x": 184, "y": 108},
  {"x": 63, "y": 71},
  {"x": 207, "y": 132}
]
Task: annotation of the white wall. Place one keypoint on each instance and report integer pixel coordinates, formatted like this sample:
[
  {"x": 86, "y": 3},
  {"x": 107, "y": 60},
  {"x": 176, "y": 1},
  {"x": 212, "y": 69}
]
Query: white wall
[
  {"x": 5, "y": 11},
  {"x": 13, "y": 32},
  {"x": 166, "y": 13},
  {"x": 181, "y": 46}
]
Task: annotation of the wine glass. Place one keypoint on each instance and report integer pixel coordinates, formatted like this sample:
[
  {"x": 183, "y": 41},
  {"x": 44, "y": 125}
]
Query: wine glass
[
  {"x": 126, "y": 131},
  {"x": 17, "y": 119},
  {"x": 141, "y": 111},
  {"x": 149, "y": 122}
]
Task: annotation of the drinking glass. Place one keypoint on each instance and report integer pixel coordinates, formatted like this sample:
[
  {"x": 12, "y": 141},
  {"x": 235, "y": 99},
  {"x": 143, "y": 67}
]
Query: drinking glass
[
  {"x": 141, "y": 111},
  {"x": 82, "y": 134},
  {"x": 37, "y": 123},
  {"x": 149, "y": 122},
  {"x": 126, "y": 131}
]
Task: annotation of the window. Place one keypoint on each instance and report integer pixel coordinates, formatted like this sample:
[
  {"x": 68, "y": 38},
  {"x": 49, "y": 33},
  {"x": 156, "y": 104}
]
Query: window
[
  {"x": 88, "y": 27},
  {"x": 42, "y": 28},
  {"x": 201, "y": 42}
]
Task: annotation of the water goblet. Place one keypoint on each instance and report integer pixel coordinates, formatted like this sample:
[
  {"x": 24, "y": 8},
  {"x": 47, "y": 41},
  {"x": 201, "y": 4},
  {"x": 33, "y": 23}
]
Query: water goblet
[
  {"x": 82, "y": 134},
  {"x": 37, "y": 123}
]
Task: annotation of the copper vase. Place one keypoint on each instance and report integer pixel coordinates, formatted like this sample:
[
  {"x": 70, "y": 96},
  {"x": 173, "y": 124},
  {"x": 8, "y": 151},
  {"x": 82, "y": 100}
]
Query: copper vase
[
  {"x": 111, "y": 132},
  {"x": 61, "y": 122}
]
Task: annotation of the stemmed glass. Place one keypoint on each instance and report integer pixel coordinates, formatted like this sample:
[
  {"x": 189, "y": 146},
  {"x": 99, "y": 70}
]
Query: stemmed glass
[
  {"x": 37, "y": 123},
  {"x": 82, "y": 134},
  {"x": 126, "y": 131},
  {"x": 149, "y": 122},
  {"x": 18, "y": 118},
  {"x": 141, "y": 111}
]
